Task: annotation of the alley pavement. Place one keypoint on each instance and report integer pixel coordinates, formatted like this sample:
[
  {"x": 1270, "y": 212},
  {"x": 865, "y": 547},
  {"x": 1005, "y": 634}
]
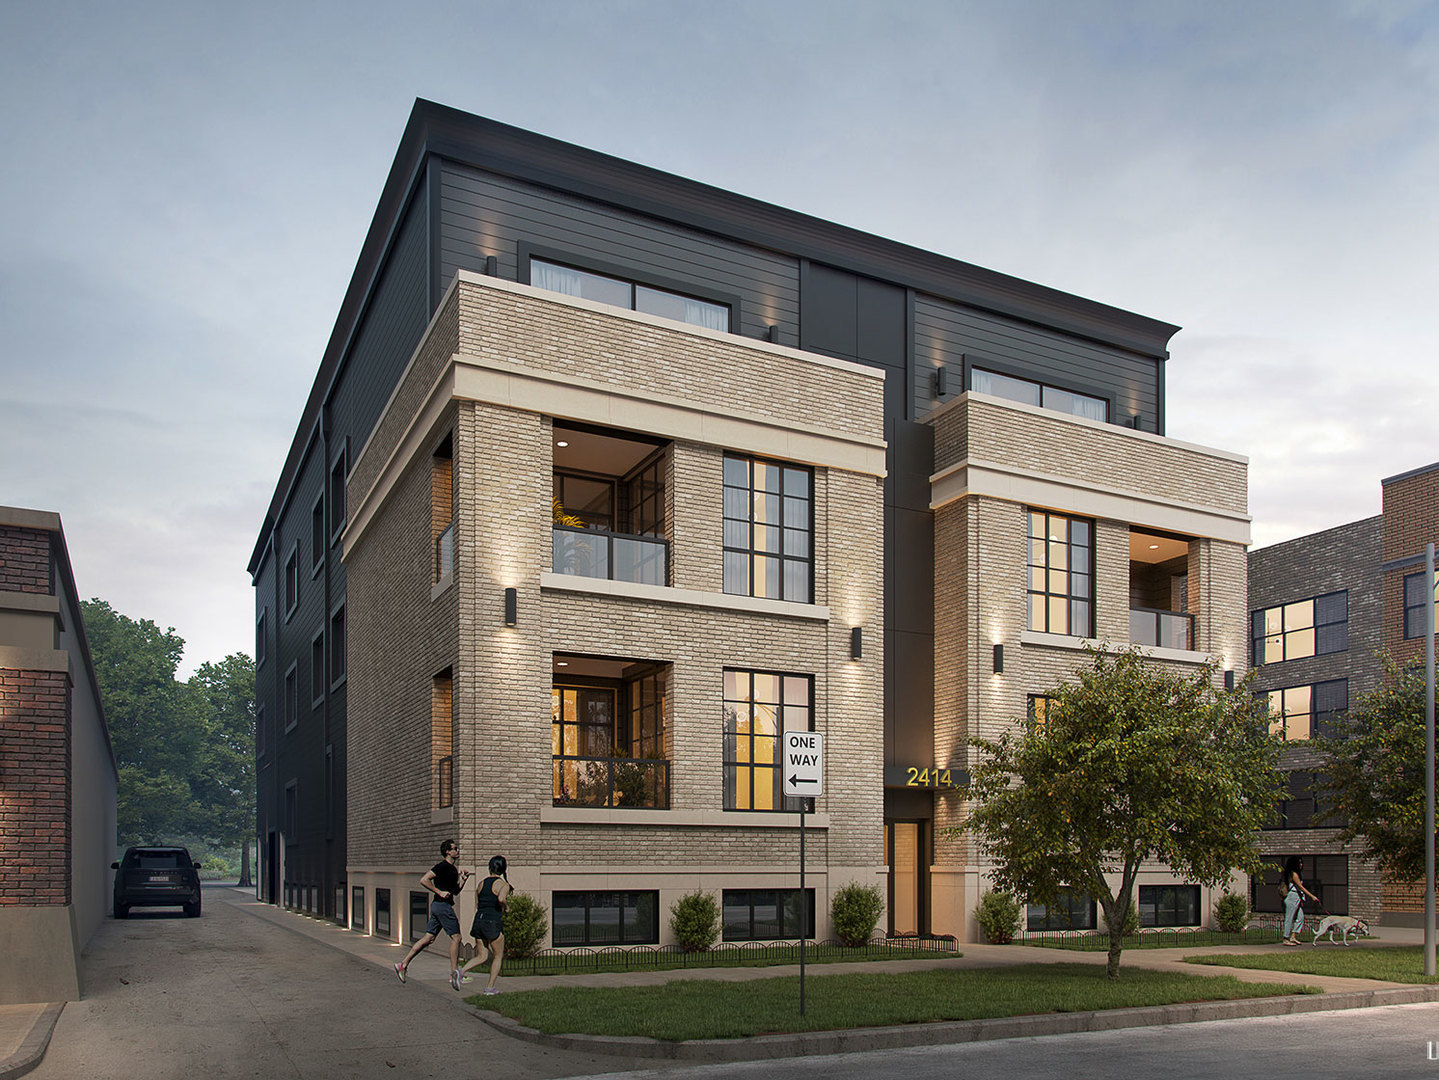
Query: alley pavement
[{"x": 27, "y": 1032}]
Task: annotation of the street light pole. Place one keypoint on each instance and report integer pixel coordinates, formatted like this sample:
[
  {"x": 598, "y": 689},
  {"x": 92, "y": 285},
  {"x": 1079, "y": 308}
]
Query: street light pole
[{"x": 1429, "y": 760}]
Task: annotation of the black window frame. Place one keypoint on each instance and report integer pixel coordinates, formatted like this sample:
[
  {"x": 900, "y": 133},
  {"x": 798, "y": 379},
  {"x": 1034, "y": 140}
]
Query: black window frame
[
  {"x": 291, "y": 597},
  {"x": 732, "y": 522},
  {"x": 337, "y": 646},
  {"x": 782, "y": 804},
  {"x": 290, "y": 688},
  {"x": 1154, "y": 912},
  {"x": 1328, "y": 700},
  {"x": 651, "y": 936},
  {"x": 1072, "y": 576},
  {"x": 1414, "y": 612},
  {"x": 1008, "y": 372},
  {"x": 357, "y": 907},
  {"x": 1073, "y": 901},
  {"x": 318, "y": 536},
  {"x": 734, "y": 898},
  {"x": 419, "y": 916},
  {"x": 339, "y": 473},
  {"x": 1321, "y": 876},
  {"x": 1337, "y": 629},
  {"x": 262, "y": 638},
  {"x": 382, "y": 907},
  {"x": 318, "y": 683}
]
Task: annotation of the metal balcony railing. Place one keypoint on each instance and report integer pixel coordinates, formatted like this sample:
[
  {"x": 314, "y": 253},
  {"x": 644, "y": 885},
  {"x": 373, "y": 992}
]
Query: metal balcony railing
[
  {"x": 1166, "y": 629},
  {"x": 445, "y": 552},
  {"x": 622, "y": 783},
  {"x": 595, "y": 553}
]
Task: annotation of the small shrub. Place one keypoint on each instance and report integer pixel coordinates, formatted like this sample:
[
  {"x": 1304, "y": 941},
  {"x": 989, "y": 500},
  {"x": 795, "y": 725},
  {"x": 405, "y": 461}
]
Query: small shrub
[
  {"x": 1231, "y": 913},
  {"x": 526, "y": 922},
  {"x": 854, "y": 911},
  {"x": 998, "y": 915},
  {"x": 694, "y": 921}
]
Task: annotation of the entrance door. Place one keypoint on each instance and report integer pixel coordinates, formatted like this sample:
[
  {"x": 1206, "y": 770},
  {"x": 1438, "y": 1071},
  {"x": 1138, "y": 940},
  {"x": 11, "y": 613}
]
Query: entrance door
[
  {"x": 906, "y": 850},
  {"x": 272, "y": 869}
]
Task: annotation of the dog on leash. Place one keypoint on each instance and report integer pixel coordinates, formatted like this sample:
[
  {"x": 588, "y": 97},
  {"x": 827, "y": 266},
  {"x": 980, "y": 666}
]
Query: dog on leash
[{"x": 1344, "y": 924}]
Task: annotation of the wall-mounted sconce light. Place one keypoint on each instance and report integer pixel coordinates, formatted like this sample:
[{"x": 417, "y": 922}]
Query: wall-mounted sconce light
[
  {"x": 998, "y": 659},
  {"x": 856, "y": 643},
  {"x": 492, "y": 266},
  {"x": 772, "y": 334},
  {"x": 941, "y": 384},
  {"x": 512, "y": 606},
  {"x": 1229, "y": 679}
]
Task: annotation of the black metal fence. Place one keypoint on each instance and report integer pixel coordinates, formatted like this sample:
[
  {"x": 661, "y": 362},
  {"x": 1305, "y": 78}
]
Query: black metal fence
[{"x": 727, "y": 954}]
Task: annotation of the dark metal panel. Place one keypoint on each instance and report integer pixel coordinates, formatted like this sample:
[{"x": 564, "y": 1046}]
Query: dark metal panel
[
  {"x": 912, "y": 733},
  {"x": 828, "y": 301},
  {"x": 879, "y": 322}
]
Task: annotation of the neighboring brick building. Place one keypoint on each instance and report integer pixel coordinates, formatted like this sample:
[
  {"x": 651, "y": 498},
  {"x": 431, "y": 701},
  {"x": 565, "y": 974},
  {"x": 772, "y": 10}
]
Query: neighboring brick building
[
  {"x": 608, "y": 477},
  {"x": 1322, "y": 607},
  {"x": 57, "y": 770}
]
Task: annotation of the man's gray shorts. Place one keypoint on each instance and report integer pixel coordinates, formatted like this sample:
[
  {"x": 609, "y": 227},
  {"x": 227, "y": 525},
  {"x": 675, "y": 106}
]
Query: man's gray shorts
[{"x": 442, "y": 916}]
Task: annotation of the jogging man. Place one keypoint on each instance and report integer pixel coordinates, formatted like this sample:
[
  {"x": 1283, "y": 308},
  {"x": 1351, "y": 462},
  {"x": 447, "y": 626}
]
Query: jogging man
[{"x": 445, "y": 879}]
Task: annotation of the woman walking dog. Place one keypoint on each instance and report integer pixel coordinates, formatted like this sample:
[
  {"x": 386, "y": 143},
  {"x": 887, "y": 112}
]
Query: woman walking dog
[
  {"x": 1291, "y": 885},
  {"x": 488, "y": 928}
]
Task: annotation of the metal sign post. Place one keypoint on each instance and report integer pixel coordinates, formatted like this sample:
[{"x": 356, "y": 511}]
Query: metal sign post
[
  {"x": 802, "y": 778},
  {"x": 1429, "y": 759}
]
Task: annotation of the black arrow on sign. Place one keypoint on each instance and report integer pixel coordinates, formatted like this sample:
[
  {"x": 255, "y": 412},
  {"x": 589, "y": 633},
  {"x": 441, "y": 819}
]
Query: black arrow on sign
[{"x": 793, "y": 780}]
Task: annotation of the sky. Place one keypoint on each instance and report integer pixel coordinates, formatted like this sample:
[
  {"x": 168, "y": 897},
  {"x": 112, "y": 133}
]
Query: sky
[{"x": 184, "y": 189}]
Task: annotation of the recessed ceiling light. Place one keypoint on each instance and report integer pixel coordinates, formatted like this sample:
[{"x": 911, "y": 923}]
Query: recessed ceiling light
[
  {"x": 562, "y": 663},
  {"x": 562, "y": 443},
  {"x": 1153, "y": 547}
]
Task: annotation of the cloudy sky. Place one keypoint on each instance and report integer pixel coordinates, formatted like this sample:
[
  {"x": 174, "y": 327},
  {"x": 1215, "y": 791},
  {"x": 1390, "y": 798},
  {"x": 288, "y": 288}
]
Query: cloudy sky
[{"x": 184, "y": 188}]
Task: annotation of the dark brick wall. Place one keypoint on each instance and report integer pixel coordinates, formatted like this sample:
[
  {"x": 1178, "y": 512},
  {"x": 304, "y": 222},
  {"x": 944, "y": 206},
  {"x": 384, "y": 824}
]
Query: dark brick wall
[
  {"x": 25, "y": 560},
  {"x": 35, "y": 777},
  {"x": 1411, "y": 520}
]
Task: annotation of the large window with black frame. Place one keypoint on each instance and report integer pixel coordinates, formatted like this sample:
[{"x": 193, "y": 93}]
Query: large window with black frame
[
  {"x": 767, "y": 914},
  {"x": 1326, "y": 876},
  {"x": 605, "y": 918},
  {"x": 608, "y": 733},
  {"x": 1313, "y": 627},
  {"x": 768, "y": 529},
  {"x": 1061, "y": 574},
  {"x": 759, "y": 706},
  {"x": 1072, "y": 910}
]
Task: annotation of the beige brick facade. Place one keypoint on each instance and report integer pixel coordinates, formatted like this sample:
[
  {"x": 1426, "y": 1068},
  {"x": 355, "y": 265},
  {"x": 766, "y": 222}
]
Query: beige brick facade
[
  {"x": 996, "y": 460},
  {"x": 500, "y": 365}
]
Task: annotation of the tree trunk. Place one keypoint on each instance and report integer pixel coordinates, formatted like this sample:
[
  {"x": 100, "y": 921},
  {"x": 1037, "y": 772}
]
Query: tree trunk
[
  {"x": 1116, "y": 946},
  {"x": 245, "y": 863}
]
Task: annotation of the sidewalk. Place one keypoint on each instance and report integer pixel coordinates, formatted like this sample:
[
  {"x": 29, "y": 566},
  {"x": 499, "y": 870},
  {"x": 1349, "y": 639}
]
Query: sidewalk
[{"x": 25, "y": 1030}]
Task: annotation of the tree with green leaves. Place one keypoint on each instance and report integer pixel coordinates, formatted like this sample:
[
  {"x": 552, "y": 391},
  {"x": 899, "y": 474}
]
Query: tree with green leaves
[
  {"x": 223, "y": 778},
  {"x": 1129, "y": 763},
  {"x": 1373, "y": 773}
]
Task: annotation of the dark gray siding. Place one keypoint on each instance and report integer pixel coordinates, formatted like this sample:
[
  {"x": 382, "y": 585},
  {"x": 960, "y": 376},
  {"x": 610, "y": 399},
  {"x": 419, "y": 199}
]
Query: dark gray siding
[
  {"x": 949, "y": 334},
  {"x": 482, "y": 215}
]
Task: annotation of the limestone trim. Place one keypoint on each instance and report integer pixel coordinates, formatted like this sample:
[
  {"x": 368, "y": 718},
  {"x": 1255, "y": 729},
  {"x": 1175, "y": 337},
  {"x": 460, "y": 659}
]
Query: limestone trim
[
  {"x": 664, "y": 594},
  {"x": 44, "y": 603},
  {"x": 731, "y": 819},
  {"x": 22, "y": 659},
  {"x": 1156, "y": 652},
  {"x": 970, "y": 477}
]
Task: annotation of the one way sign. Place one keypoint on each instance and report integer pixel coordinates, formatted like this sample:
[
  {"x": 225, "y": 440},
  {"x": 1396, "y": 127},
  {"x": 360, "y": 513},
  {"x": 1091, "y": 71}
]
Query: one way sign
[{"x": 803, "y": 763}]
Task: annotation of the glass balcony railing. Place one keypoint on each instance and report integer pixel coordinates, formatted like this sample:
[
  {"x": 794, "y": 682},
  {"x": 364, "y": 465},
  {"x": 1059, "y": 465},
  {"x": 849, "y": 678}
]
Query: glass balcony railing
[
  {"x": 445, "y": 552},
  {"x": 445, "y": 775},
  {"x": 625, "y": 783},
  {"x": 1166, "y": 629},
  {"x": 595, "y": 553}
]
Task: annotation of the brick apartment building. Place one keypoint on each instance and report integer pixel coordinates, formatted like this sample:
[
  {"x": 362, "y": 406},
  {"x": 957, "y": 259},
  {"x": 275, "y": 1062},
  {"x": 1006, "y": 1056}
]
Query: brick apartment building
[
  {"x": 57, "y": 769},
  {"x": 608, "y": 478},
  {"x": 1322, "y": 607}
]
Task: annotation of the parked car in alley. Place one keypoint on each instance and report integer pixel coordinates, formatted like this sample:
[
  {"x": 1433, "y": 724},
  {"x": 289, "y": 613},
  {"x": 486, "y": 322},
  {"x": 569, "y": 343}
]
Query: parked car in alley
[{"x": 156, "y": 877}]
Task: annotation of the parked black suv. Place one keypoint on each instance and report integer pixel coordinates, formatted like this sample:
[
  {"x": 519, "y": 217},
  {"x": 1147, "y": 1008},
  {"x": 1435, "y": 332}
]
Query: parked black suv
[{"x": 156, "y": 877}]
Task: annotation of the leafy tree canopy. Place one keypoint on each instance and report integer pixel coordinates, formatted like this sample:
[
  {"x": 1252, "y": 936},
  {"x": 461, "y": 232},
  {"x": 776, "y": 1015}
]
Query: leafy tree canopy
[
  {"x": 1129, "y": 763},
  {"x": 1373, "y": 774}
]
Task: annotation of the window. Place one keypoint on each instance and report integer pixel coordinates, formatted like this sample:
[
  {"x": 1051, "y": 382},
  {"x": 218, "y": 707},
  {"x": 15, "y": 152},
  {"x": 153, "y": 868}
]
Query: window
[
  {"x": 768, "y": 914},
  {"x": 337, "y": 495},
  {"x": 768, "y": 530},
  {"x": 292, "y": 696},
  {"x": 1305, "y": 628},
  {"x": 291, "y": 811},
  {"x": 262, "y": 649},
  {"x": 1061, "y": 574},
  {"x": 419, "y": 914},
  {"x": 1302, "y": 806},
  {"x": 338, "y": 911},
  {"x": 1326, "y": 876},
  {"x": 442, "y": 509},
  {"x": 605, "y": 918},
  {"x": 1169, "y": 905},
  {"x": 292, "y": 580},
  {"x": 1070, "y": 911},
  {"x": 1039, "y": 706},
  {"x": 759, "y": 706},
  {"x": 382, "y": 912},
  {"x": 317, "y": 668},
  {"x": 329, "y": 792},
  {"x": 1034, "y": 393},
  {"x": 260, "y": 729},
  {"x": 357, "y": 908},
  {"x": 317, "y": 536},
  {"x": 442, "y": 738},
  {"x": 608, "y": 736},
  {"x": 1414, "y": 605},
  {"x": 337, "y": 646},
  {"x": 618, "y": 292},
  {"x": 1300, "y": 712}
]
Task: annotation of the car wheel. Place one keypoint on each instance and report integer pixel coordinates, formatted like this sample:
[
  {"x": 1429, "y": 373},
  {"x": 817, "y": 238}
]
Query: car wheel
[
  {"x": 121, "y": 910},
  {"x": 192, "y": 911}
]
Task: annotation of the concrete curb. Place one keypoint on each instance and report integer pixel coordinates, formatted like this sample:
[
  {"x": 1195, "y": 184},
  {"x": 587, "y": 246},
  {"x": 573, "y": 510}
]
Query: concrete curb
[
  {"x": 33, "y": 1046},
  {"x": 802, "y": 1044}
]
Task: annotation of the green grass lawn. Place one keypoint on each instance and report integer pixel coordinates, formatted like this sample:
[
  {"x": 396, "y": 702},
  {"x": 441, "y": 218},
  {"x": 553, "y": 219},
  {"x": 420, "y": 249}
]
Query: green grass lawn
[
  {"x": 611, "y": 960},
  {"x": 1390, "y": 963},
  {"x": 1154, "y": 939},
  {"x": 704, "y": 1009}
]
